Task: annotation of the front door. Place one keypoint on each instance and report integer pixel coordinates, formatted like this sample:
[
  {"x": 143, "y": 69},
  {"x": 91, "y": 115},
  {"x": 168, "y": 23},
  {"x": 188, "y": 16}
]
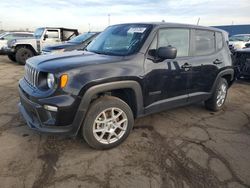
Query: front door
[
  {"x": 166, "y": 81},
  {"x": 50, "y": 37}
]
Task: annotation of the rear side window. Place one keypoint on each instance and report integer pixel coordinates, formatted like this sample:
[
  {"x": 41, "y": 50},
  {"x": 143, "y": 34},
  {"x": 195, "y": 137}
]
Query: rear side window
[
  {"x": 67, "y": 35},
  {"x": 178, "y": 38},
  {"x": 219, "y": 40},
  {"x": 204, "y": 42}
]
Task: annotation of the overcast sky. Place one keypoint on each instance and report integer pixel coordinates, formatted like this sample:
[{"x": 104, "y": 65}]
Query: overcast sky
[{"x": 93, "y": 14}]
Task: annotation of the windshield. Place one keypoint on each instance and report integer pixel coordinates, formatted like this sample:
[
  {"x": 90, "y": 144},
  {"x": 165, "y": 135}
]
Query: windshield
[
  {"x": 2, "y": 34},
  {"x": 244, "y": 38},
  {"x": 81, "y": 38},
  {"x": 120, "y": 40},
  {"x": 38, "y": 33}
]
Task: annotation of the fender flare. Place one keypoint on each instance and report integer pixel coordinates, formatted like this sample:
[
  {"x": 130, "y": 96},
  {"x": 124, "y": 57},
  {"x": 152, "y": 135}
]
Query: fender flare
[
  {"x": 25, "y": 45},
  {"x": 229, "y": 71},
  {"x": 86, "y": 99}
]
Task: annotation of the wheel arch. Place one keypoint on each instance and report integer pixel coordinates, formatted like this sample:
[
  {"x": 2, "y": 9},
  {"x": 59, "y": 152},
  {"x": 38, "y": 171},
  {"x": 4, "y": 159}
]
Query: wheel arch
[
  {"x": 120, "y": 89},
  {"x": 29, "y": 46},
  {"x": 227, "y": 74}
]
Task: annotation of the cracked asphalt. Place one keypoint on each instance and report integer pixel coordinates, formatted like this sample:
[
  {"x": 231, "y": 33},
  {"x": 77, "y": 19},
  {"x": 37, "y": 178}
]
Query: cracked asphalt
[{"x": 186, "y": 147}]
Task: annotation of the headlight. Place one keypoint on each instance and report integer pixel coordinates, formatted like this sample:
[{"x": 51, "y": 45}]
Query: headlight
[{"x": 50, "y": 80}]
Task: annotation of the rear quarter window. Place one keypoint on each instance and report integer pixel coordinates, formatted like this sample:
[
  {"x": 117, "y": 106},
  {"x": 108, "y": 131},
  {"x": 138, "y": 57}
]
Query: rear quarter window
[{"x": 219, "y": 40}]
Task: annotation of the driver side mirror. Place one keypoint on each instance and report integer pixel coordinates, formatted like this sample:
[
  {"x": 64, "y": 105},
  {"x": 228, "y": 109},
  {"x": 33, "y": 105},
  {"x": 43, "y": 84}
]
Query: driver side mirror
[
  {"x": 167, "y": 52},
  {"x": 45, "y": 37},
  {"x": 2, "y": 38}
]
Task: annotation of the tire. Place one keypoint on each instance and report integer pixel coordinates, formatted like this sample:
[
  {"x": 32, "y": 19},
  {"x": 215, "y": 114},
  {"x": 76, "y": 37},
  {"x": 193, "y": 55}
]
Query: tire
[
  {"x": 23, "y": 54},
  {"x": 95, "y": 120},
  {"x": 217, "y": 101},
  {"x": 12, "y": 57}
]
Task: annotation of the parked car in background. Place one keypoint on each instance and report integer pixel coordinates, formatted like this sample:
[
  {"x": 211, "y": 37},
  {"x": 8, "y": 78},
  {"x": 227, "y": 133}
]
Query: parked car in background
[
  {"x": 22, "y": 49},
  {"x": 247, "y": 45},
  {"x": 241, "y": 59},
  {"x": 238, "y": 41},
  {"x": 4, "y": 37},
  {"x": 128, "y": 71},
  {"x": 79, "y": 42}
]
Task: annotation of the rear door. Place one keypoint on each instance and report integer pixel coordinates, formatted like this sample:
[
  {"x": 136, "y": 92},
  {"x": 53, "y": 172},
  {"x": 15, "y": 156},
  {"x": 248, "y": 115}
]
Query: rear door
[{"x": 206, "y": 61}]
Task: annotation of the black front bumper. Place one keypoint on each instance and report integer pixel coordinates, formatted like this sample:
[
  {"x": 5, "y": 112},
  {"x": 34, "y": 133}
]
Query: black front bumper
[{"x": 42, "y": 120}]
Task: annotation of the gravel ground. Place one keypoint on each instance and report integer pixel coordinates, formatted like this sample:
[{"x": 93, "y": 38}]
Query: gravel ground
[{"x": 184, "y": 147}]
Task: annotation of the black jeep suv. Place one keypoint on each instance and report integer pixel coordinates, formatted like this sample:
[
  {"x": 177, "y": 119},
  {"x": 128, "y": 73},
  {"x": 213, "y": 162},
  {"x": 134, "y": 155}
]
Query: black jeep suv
[{"x": 128, "y": 71}]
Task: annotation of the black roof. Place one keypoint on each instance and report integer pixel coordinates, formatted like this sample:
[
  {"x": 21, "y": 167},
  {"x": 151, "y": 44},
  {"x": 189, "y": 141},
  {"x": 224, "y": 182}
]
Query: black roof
[
  {"x": 170, "y": 24},
  {"x": 62, "y": 28}
]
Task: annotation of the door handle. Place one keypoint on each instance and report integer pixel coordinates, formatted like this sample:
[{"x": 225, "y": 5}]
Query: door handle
[
  {"x": 217, "y": 62},
  {"x": 186, "y": 66}
]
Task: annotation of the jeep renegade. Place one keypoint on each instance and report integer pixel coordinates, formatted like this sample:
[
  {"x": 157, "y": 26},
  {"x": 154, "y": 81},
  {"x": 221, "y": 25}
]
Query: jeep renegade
[{"x": 128, "y": 71}]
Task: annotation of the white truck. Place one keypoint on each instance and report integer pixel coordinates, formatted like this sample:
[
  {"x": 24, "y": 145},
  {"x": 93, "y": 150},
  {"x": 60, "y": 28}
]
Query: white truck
[
  {"x": 21, "y": 49},
  {"x": 6, "y": 36}
]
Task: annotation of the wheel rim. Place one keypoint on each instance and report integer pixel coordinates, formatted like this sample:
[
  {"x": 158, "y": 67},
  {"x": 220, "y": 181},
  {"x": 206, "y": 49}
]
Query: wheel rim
[
  {"x": 221, "y": 95},
  {"x": 26, "y": 56},
  {"x": 110, "y": 125}
]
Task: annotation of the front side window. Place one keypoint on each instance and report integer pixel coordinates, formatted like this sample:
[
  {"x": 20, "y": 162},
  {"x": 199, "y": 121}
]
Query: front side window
[
  {"x": 204, "y": 42},
  {"x": 178, "y": 38},
  {"x": 120, "y": 40},
  {"x": 54, "y": 34},
  {"x": 8, "y": 37}
]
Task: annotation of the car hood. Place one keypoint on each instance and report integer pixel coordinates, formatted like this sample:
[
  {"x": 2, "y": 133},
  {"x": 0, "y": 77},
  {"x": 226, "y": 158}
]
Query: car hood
[
  {"x": 56, "y": 63},
  {"x": 25, "y": 40},
  {"x": 59, "y": 46},
  {"x": 237, "y": 44}
]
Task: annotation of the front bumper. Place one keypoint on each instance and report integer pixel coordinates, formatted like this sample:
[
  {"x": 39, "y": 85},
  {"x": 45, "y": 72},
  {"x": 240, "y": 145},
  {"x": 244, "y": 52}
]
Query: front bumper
[
  {"x": 46, "y": 121},
  {"x": 8, "y": 51}
]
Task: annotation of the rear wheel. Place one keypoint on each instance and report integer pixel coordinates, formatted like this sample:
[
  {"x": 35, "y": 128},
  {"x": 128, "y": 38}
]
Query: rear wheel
[
  {"x": 12, "y": 57},
  {"x": 216, "y": 102},
  {"x": 23, "y": 54},
  {"x": 107, "y": 123}
]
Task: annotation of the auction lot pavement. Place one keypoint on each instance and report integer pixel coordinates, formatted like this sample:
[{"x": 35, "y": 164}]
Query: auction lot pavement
[{"x": 184, "y": 147}]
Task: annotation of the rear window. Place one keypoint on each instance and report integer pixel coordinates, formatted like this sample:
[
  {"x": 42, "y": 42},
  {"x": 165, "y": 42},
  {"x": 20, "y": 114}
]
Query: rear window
[{"x": 204, "y": 42}]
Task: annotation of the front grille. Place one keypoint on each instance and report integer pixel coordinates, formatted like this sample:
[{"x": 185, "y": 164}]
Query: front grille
[{"x": 31, "y": 75}]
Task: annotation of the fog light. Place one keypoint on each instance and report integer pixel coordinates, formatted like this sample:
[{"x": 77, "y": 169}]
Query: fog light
[{"x": 50, "y": 108}]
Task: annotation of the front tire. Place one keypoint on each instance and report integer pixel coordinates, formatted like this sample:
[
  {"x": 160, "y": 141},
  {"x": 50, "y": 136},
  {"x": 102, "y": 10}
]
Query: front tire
[
  {"x": 108, "y": 123},
  {"x": 12, "y": 57},
  {"x": 23, "y": 54},
  {"x": 217, "y": 101}
]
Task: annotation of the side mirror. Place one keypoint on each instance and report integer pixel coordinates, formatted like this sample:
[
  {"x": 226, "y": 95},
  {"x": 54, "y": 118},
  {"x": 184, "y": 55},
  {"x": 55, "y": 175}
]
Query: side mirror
[
  {"x": 168, "y": 52},
  {"x": 45, "y": 37},
  {"x": 2, "y": 38}
]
